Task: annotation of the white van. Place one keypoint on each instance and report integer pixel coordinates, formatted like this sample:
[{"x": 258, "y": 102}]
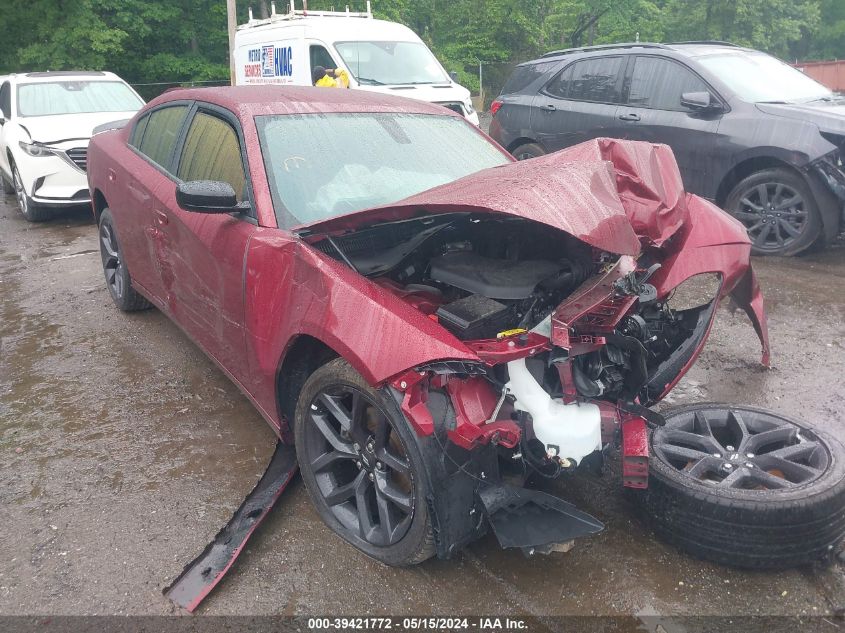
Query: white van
[{"x": 379, "y": 56}]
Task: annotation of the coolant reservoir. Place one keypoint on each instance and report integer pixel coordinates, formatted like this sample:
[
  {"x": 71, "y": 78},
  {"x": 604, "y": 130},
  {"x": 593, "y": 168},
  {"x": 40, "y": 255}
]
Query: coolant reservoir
[{"x": 570, "y": 431}]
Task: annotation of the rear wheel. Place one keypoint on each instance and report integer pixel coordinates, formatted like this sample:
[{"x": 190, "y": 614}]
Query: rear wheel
[
  {"x": 361, "y": 466},
  {"x": 778, "y": 210},
  {"x": 117, "y": 276},
  {"x": 30, "y": 210},
  {"x": 746, "y": 487},
  {"x": 528, "y": 150}
]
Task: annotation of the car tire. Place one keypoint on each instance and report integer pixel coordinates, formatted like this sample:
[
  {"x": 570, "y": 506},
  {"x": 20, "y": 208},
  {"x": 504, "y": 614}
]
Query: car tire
[
  {"x": 29, "y": 209},
  {"x": 361, "y": 464},
  {"x": 749, "y": 522},
  {"x": 776, "y": 225},
  {"x": 118, "y": 280},
  {"x": 528, "y": 150}
]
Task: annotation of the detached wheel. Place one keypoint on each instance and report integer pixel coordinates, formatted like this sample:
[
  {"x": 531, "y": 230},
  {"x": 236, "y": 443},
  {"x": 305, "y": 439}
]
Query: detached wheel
[
  {"x": 778, "y": 210},
  {"x": 31, "y": 211},
  {"x": 361, "y": 467},
  {"x": 528, "y": 150},
  {"x": 746, "y": 487},
  {"x": 119, "y": 282}
]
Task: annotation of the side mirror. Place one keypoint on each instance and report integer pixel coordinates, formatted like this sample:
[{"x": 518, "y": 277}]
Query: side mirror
[
  {"x": 453, "y": 76},
  {"x": 699, "y": 101},
  {"x": 208, "y": 196}
]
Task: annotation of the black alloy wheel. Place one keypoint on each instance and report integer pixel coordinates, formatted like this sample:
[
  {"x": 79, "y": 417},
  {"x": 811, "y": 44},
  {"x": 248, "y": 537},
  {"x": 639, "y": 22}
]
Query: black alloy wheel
[
  {"x": 112, "y": 262},
  {"x": 746, "y": 487},
  {"x": 732, "y": 448},
  {"x": 358, "y": 467},
  {"x": 118, "y": 281},
  {"x": 778, "y": 210}
]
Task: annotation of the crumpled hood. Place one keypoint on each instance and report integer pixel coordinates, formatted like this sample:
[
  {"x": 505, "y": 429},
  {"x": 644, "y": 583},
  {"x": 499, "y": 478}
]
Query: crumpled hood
[
  {"x": 829, "y": 117},
  {"x": 612, "y": 194},
  {"x": 51, "y": 129}
]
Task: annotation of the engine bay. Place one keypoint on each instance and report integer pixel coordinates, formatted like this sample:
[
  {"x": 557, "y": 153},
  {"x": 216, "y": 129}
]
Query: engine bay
[
  {"x": 479, "y": 277},
  {"x": 489, "y": 277}
]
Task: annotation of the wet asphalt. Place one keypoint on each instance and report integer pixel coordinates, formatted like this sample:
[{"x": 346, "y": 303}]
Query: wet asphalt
[{"x": 123, "y": 450}]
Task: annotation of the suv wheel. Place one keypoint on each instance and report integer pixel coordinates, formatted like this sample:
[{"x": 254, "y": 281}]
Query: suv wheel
[
  {"x": 778, "y": 210},
  {"x": 30, "y": 210},
  {"x": 528, "y": 150}
]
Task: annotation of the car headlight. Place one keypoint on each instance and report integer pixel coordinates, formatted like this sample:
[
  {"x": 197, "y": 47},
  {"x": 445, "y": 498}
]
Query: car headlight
[
  {"x": 35, "y": 150},
  {"x": 468, "y": 106}
]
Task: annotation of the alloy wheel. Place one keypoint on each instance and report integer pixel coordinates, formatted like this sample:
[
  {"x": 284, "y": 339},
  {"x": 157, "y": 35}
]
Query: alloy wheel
[
  {"x": 361, "y": 467},
  {"x": 746, "y": 449},
  {"x": 20, "y": 192},
  {"x": 112, "y": 262},
  {"x": 774, "y": 214}
]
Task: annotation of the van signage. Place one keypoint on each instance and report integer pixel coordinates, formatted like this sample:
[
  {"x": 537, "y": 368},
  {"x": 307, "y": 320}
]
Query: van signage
[{"x": 269, "y": 63}]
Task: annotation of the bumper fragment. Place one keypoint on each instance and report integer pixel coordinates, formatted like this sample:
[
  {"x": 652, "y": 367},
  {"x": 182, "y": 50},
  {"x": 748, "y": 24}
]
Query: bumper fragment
[{"x": 204, "y": 573}]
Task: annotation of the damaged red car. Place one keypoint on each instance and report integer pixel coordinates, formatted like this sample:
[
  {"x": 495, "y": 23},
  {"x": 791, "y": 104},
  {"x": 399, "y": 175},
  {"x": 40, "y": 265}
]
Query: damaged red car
[{"x": 428, "y": 321}]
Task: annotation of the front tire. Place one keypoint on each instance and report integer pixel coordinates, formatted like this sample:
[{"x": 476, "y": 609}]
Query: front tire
[
  {"x": 362, "y": 467},
  {"x": 31, "y": 211},
  {"x": 119, "y": 283},
  {"x": 778, "y": 210},
  {"x": 745, "y": 487}
]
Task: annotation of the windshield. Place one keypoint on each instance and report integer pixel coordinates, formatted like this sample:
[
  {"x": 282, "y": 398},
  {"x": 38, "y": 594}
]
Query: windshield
[
  {"x": 391, "y": 63},
  {"x": 321, "y": 166},
  {"x": 757, "y": 77},
  {"x": 76, "y": 97}
]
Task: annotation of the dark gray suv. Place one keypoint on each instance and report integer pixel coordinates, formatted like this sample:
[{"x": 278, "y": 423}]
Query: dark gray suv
[{"x": 753, "y": 134}]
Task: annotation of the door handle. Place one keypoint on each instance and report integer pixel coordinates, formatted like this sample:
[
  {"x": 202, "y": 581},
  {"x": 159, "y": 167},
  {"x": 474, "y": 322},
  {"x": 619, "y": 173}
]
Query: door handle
[
  {"x": 549, "y": 107},
  {"x": 161, "y": 218},
  {"x": 629, "y": 117}
]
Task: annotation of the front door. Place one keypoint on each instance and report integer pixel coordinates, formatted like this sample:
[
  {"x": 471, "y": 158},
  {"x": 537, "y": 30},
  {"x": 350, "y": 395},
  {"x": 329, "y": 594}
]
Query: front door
[
  {"x": 580, "y": 103},
  {"x": 204, "y": 253}
]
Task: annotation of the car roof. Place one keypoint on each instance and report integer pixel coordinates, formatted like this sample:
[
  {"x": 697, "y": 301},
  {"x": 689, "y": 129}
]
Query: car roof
[{"x": 249, "y": 101}]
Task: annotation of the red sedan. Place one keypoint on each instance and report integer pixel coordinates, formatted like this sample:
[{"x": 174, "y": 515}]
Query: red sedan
[{"x": 422, "y": 316}]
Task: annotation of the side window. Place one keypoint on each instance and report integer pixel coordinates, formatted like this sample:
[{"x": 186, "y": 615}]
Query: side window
[
  {"x": 138, "y": 131},
  {"x": 659, "y": 83},
  {"x": 593, "y": 79},
  {"x": 320, "y": 57},
  {"x": 6, "y": 99},
  {"x": 212, "y": 152},
  {"x": 161, "y": 133}
]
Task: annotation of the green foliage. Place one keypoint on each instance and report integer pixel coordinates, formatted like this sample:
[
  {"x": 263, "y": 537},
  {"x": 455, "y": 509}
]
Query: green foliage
[{"x": 186, "y": 40}]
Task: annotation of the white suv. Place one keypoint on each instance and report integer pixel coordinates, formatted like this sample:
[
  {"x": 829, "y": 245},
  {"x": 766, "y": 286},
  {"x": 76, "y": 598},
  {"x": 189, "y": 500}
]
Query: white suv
[{"x": 46, "y": 121}]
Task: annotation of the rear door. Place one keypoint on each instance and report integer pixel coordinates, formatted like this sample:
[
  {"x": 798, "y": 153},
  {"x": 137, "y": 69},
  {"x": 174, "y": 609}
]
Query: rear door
[
  {"x": 148, "y": 189},
  {"x": 203, "y": 254},
  {"x": 579, "y": 103},
  {"x": 653, "y": 112}
]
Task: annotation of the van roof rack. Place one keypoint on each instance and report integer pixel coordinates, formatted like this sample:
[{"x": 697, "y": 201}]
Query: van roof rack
[{"x": 298, "y": 14}]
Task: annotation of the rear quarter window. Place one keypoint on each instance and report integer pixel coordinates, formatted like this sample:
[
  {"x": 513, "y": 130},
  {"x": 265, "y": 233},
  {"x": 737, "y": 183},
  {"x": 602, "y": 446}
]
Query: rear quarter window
[
  {"x": 524, "y": 76},
  {"x": 161, "y": 131}
]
